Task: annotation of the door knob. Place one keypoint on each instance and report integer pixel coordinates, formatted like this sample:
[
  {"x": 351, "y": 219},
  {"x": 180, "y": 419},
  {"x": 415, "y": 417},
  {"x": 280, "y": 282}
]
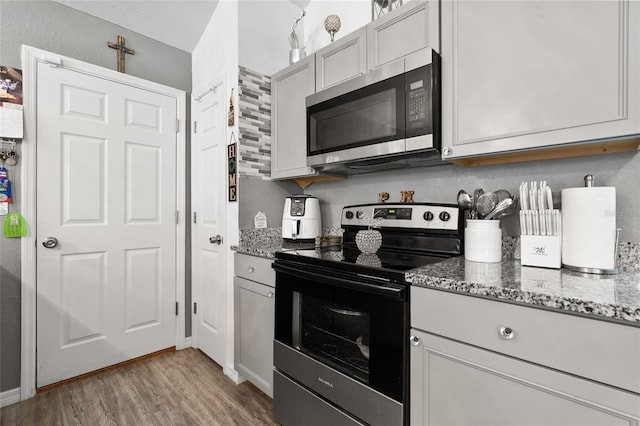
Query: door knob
[
  {"x": 216, "y": 240},
  {"x": 50, "y": 242}
]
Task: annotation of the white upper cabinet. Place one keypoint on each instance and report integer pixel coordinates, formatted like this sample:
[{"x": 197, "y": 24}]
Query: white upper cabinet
[
  {"x": 289, "y": 89},
  {"x": 522, "y": 75},
  {"x": 393, "y": 36},
  {"x": 403, "y": 31},
  {"x": 344, "y": 59}
]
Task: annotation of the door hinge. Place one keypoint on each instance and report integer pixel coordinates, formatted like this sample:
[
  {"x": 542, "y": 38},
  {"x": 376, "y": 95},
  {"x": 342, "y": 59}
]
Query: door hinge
[
  {"x": 177, "y": 309},
  {"x": 177, "y": 125},
  {"x": 195, "y": 217},
  {"x": 177, "y": 217},
  {"x": 195, "y": 127},
  {"x": 195, "y": 307}
]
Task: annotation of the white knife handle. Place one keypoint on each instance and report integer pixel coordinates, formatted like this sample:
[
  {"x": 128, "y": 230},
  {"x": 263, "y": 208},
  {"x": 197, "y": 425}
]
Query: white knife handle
[{"x": 549, "y": 197}]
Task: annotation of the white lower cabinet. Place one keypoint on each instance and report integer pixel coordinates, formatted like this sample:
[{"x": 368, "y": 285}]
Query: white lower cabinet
[
  {"x": 254, "y": 305},
  {"x": 508, "y": 375},
  {"x": 458, "y": 384}
]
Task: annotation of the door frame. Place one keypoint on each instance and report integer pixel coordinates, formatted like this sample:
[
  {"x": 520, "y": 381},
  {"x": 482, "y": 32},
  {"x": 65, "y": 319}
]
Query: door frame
[{"x": 30, "y": 58}]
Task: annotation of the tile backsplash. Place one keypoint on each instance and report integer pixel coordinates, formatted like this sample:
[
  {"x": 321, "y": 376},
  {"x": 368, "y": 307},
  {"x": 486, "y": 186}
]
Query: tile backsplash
[{"x": 254, "y": 122}]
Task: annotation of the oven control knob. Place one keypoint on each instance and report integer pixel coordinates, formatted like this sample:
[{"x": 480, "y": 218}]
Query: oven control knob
[
  {"x": 445, "y": 216},
  {"x": 359, "y": 214},
  {"x": 428, "y": 216},
  {"x": 348, "y": 214}
]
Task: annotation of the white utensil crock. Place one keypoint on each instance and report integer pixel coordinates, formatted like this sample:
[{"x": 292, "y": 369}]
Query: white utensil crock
[{"x": 483, "y": 241}]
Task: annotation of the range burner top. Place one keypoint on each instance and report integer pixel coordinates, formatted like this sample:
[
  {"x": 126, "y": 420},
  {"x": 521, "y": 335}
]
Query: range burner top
[{"x": 384, "y": 259}]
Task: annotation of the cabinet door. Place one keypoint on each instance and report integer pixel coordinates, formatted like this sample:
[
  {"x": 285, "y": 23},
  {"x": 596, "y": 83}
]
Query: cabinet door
[
  {"x": 403, "y": 31},
  {"x": 344, "y": 59},
  {"x": 456, "y": 384},
  {"x": 529, "y": 74},
  {"x": 254, "y": 323},
  {"x": 289, "y": 88}
]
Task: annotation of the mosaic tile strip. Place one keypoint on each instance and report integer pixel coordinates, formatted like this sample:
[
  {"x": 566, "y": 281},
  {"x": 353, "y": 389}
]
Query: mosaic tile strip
[{"x": 254, "y": 105}]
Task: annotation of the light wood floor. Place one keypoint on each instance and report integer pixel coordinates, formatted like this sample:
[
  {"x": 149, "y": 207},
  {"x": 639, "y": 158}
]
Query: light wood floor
[{"x": 179, "y": 388}]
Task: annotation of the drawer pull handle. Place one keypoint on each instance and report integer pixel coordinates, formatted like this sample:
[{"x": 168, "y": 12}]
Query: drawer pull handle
[
  {"x": 270, "y": 294},
  {"x": 251, "y": 269},
  {"x": 415, "y": 340},
  {"x": 507, "y": 333}
]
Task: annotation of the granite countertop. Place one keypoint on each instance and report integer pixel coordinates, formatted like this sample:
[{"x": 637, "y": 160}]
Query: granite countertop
[
  {"x": 269, "y": 251},
  {"x": 608, "y": 297},
  {"x": 266, "y": 242}
]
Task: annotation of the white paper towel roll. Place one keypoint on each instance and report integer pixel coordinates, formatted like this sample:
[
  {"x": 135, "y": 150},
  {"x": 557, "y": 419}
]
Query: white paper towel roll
[{"x": 589, "y": 227}]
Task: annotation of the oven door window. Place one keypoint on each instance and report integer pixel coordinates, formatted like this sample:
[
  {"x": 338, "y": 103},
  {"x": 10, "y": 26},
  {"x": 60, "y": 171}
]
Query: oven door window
[
  {"x": 353, "y": 331},
  {"x": 373, "y": 114},
  {"x": 337, "y": 335}
]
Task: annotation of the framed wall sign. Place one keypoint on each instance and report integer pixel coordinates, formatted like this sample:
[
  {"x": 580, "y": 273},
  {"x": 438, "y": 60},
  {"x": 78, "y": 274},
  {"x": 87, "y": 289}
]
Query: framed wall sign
[{"x": 232, "y": 163}]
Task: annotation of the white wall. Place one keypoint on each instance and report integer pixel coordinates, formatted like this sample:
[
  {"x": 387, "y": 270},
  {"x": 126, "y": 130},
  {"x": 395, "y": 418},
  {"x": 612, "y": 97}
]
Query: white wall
[
  {"x": 353, "y": 14},
  {"x": 441, "y": 184},
  {"x": 264, "y": 27},
  {"x": 215, "y": 57}
]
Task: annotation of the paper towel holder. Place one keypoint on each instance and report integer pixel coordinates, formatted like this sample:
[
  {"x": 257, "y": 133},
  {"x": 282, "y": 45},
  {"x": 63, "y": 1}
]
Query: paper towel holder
[
  {"x": 599, "y": 271},
  {"x": 589, "y": 182}
]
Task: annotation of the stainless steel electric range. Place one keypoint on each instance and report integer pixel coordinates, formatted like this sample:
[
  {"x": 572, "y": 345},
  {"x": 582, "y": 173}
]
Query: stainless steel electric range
[{"x": 342, "y": 317}]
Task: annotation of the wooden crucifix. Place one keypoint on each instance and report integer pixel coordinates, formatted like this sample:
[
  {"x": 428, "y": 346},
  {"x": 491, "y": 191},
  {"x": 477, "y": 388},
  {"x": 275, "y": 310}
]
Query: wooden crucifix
[{"x": 121, "y": 51}]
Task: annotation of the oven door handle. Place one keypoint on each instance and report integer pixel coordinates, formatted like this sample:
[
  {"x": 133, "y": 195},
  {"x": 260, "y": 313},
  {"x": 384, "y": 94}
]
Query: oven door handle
[{"x": 388, "y": 290}]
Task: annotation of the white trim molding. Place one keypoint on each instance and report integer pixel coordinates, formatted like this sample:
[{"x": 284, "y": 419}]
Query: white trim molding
[
  {"x": 233, "y": 375},
  {"x": 30, "y": 59},
  {"x": 9, "y": 397}
]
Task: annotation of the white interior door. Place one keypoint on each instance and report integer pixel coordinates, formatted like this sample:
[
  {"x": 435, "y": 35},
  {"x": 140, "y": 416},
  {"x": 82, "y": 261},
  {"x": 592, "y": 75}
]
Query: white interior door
[
  {"x": 106, "y": 173},
  {"x": 208, "y": 174}
]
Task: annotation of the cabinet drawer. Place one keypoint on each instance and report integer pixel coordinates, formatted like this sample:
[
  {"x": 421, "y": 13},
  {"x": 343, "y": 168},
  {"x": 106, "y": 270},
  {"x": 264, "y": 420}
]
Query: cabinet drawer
[
  {"x": 457, "y": 384},
  {"x": 255, "y": 268},
  {"x": 598, "y": 350}
]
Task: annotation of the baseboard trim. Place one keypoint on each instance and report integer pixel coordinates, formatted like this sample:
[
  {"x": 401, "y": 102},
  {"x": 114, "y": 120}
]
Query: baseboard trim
[
  {"x": 233, "y": 375},
  {"x": 188, "y": 342},
  {"x": 9, "y": 397}
]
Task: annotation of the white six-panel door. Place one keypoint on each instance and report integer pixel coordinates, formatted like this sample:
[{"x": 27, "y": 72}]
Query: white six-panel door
[
  {"x": 208, "y": 174},
  {"x": 106, "y": 173}
]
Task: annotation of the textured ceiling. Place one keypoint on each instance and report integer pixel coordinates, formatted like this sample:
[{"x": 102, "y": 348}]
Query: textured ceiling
[{"x": 178, "y": 23}]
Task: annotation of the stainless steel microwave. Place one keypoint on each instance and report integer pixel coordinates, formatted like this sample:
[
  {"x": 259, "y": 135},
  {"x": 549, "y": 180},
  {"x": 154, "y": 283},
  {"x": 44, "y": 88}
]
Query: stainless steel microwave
[{"x": 387, "y": 117}]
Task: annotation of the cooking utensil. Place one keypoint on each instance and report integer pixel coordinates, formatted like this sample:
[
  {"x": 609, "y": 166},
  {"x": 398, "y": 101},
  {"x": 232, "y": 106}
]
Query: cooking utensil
[
  {"x": 474, "y": 209},
  {"x": 486, "y": 203},
  {"x": 348, "y": 322},
  {"x": 501, "y": 207},
  {"x": 502, "y": 194},
  {"x": 464, "y": 199},
  {"x": 509, "y": 209},
  {"x": 364, "y": 349}
]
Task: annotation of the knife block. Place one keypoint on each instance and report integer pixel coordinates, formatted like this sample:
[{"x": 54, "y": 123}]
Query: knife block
[{"x": 541, "y": 250}]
